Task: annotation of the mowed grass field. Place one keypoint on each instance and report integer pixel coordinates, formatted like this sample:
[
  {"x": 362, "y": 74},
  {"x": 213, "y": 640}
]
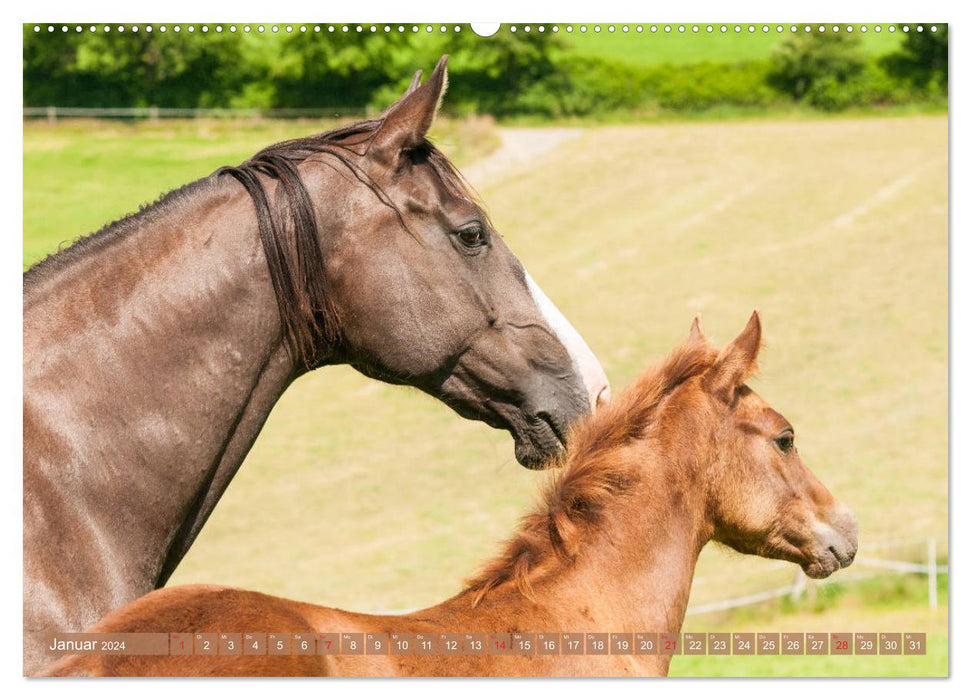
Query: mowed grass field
[{"x": 371, "y": 497}]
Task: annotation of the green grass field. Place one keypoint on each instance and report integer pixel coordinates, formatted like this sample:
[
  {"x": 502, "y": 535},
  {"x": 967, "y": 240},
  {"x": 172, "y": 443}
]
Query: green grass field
[
  {"x": 371, "y": 497},
  {"x": 652, "y": 48},
  {"x": 95, "y": 176},
  {"x": 891, "y": 603}
]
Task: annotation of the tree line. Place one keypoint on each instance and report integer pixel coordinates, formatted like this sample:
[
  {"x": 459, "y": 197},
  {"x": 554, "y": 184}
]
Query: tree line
[{"x": 510, "y": 74}]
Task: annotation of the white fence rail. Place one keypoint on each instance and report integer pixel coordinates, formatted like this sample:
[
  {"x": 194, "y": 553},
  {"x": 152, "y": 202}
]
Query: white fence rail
[
  {"x": 802, "y": 583},
  {"x": 53, "y": 114},
  {"x": 929, "y": 568}
]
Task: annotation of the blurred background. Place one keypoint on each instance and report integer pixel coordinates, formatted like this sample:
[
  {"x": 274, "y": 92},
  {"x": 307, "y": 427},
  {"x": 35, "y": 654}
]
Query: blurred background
[{"x": 643, "y": 177}]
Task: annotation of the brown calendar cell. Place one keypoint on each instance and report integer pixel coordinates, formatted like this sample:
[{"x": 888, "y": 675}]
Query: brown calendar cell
[
  {"x": 597, "y": 643},
  {"x": 475, "y": 643},
  {"x": 205, "y": 643},
  {"x": 767, "y": 643},
  {"x": 278, "y": 644},
  {"x": 669, "y": 643},
  {"x": 865, "y": 643},
  {"x": 352, "y": 643},
  {"x": 402, "y": 643},
  {"x": 572, "y": 643},
  {"x": 817, "y": 643},
  {"x": 230, "y": 643},
  {"x": 500, "y": 643},
  {"x": 743, "y": 643},
  {"x": 376, "y": 644},
  {"x": 548, "y": 643},
  {"x": 110, "y": 643},
  {"x": 719, "y": 644},
  {"x": 450, "y": 644},
  {"x": 841, "y": 643},
  {"x": 694, "y": 643},
  {"x": 621, "y": 643},
  {"x": 328, "y": 643},
  {"x": 523, "y": 643},
  {"x": 303, "y": 643},
  {"x": 180, "y": 643},
  {"x": 915, "y": 643},
  {"x": 891, "y": 643},
  {"x": 254, "y": 643},
  {"x": 425, "y": 643},
  {"x": 793, "y": 643},
  {"x": 645, "y": 643}
]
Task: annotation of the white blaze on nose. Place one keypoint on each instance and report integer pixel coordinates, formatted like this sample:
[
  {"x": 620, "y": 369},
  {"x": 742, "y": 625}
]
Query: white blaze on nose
[{"x": 594, "y": 378}]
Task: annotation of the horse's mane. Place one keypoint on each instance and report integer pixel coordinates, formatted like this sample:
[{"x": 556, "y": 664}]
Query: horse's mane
[
  {"x": 287, "y": 224},
  {"x": 595, "y": 469}
]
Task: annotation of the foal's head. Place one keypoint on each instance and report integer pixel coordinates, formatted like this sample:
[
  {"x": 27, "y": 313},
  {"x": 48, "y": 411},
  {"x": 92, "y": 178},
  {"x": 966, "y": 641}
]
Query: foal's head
[
  {"x": 688, "y": 438},
  {"x": 759, "y": 496}
]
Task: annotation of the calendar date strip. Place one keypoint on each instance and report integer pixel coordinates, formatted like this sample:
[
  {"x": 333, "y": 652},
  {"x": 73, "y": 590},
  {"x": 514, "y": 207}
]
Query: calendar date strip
[{"x": 476, "y": 644}]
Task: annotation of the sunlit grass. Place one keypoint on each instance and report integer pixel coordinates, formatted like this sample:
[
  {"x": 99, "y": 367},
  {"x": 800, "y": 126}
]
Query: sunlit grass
[{"x": 369, "y": 497}]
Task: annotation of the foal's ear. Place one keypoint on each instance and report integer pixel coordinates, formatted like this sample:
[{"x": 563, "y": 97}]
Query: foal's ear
[
  {"x": 737, "y": 362},
  {"x": 697, "y": 336},
  {"x": 409, "y": 119}
]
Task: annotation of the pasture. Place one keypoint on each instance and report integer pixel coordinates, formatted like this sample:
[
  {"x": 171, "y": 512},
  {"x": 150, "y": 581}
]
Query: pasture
[
  {"x": 370, "y": 497},
  {"x": 653, "y": 48}
]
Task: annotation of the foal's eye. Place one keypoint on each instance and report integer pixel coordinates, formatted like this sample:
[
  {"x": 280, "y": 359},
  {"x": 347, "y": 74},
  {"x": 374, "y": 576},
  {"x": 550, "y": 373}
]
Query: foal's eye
[
  {"x": 785, "y": 442},
  {"x": 472, "y": 236}
]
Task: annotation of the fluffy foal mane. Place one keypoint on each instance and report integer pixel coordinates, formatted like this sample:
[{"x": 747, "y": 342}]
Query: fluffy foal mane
[{"x": 594, "y": 470}]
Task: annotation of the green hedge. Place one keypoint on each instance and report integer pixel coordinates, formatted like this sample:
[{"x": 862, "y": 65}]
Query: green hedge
[{"x": 509, "y": 75}]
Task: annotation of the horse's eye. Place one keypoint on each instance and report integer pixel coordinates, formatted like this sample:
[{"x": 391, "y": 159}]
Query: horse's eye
[
  {"x": 471, "y": 236},
  {"x": 785, "y": 442}
]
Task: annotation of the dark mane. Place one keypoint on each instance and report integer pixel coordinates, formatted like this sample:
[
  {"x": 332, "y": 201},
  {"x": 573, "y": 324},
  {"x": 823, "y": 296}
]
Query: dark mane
[
  {"x": 287, "y": 224},
  {"x": 594, "y": 470}
]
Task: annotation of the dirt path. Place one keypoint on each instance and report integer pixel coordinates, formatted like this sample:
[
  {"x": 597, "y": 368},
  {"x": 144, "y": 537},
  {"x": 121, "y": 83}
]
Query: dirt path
[{"x": 521, "y": 148}]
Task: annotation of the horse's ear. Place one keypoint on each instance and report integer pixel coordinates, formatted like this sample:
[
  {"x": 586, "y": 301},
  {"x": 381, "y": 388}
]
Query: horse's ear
[
  {"x": 415, "y": 83},
  {"x": 697, "y": 336},
  {"x": 737, "y": 362},
  {"x": 408, "y": 120}
]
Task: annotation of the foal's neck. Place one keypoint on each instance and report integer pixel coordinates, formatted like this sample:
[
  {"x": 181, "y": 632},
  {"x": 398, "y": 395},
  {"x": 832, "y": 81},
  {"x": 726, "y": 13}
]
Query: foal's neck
[
  {"x": 641, "y": 558},
  {"x": 633, "y": 568}
]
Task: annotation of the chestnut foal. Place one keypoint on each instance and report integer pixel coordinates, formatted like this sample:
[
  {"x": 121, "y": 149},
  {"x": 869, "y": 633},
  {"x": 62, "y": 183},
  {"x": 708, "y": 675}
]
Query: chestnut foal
[{"x": 688, "y": 454}]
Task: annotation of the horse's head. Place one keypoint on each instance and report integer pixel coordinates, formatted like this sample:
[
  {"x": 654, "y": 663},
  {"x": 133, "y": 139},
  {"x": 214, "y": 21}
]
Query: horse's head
[
  {"x": 761, "y": 498},
  {"x": 427, "y": 292}
]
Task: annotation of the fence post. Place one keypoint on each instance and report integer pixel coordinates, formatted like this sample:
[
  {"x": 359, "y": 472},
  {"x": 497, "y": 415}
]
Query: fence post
[
  {"x": 52, "y": 115},
  {"x": 932, "y": 573},
  {"x": 153, "y": 114},
  {"x": 798, "y": 585}
]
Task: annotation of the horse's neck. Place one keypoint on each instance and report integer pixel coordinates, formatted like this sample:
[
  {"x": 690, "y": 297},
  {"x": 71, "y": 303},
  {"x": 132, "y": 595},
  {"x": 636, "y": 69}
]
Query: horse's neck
[{"x": 155, "y": 358}]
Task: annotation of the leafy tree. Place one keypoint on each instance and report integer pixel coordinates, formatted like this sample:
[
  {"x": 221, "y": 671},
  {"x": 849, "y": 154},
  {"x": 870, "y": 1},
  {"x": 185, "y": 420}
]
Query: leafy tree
[
  {"x": 341, "y": 69},
  {"x": 922, "y": 59},
  {"x": 123, "y": 69},
  {"x": 805, "y": 59},
  {"x": 353, "y": 69}
]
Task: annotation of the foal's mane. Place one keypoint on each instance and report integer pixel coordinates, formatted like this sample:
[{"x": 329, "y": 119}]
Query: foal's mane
[
  {"x": 287, "y": 224},
  {"x": 595, "y": 469}
]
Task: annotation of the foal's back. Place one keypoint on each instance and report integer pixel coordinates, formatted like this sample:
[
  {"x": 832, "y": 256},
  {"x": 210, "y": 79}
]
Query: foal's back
[{"x": 201, "y": 608}]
